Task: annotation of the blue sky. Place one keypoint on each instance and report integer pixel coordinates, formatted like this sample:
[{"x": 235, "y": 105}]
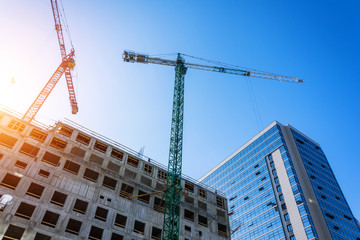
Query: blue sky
[{"x": 131, "y": 103}]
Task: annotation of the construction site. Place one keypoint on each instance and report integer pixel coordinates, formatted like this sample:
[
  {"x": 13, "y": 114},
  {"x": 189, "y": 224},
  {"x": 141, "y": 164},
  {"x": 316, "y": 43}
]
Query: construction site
[
  {"x": 60, "y": 179},
  {"x": 71, "y": 183}
]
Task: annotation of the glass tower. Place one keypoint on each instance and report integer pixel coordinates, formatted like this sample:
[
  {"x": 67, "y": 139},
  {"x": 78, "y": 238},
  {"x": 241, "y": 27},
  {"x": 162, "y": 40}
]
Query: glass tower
[{"x": 280, "y": 185}]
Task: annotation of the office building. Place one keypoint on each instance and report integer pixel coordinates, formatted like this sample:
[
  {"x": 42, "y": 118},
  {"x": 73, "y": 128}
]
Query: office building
[
  {"x": 280, "y": 185},
  {"x": 68, "y": 182}
]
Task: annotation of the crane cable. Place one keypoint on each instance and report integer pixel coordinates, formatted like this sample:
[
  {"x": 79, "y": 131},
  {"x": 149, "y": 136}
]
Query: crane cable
[
  {"x": 227, "y": 64},
  {"x": 63, "y": 17},
  {"x": 254, "y": 104},
  {"x": 249, "y": 86}
]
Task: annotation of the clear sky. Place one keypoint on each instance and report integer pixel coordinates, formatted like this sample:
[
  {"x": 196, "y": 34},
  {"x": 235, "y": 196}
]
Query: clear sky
[{"x": 131, "y": 103}]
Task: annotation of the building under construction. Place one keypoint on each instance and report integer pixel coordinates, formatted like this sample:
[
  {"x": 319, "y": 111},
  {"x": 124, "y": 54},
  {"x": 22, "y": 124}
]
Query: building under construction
[{"x": 68, "y": 182}]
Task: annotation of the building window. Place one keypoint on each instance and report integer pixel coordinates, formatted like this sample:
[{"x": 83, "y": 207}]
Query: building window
[
  {"x": 159, "y": 204},
  {"x": 156, "y": 233},
  {"x": 336, "y": 228},
  {"x": 329, "y": 216},
  {"x": 256, "y": 166},
  {"x": 292, "y": 237},
  {"x": 16, "y": 125},
  {"x": 348, "y": 218},
  {"x": 20, "y": 164},
  {"x": 162, "y": 175},
  {"x": 274, "y": 171},
  {"x": 117, "y": 154},
  {"x": 262, "y": 188},
  {"x": 189, "y": 215},
  {"x": 35, "y": 190},
  {"x": 43, "y": 173},
  {"x": 40, "y": 236},
  {"x": 126, "y": 191},
  {"x": 130, "y": 174},
  {"x": 289, "y": 228},
  {"x": 109, "y": 183},
  {"x": 278, "y": 188},
  {"x": 148, "y": 168},
  {"x": 202, "y": 193},
  {"x": 139, "y": 227},
  {"x": 222, "y": 230},
  {"x": 202, "y": 205},
  {"x": 257, "y": 173},
  {"x": 78, "y": 152},
  {"x": 50, "y": 219},
  {"x": 189, "y": 187},
  {"x": 25, "y": 210},
  {"x": 187, "y": 228},
  {"x": 7, "y": 140},
  {"x": 80, "y": 206},
  {"x": 13, "y": 233},
  {"x": 272, "y": 164},
  {"x": 100, "y": 147},
  {"x": 81, "y": 138},
  {"x": 29, "y": 150},
  {"x": 71, "y": 167},
  {"x": 95, "y": 233},
  {"x": 120, "y": 221},
  {"x": 276, "y": 180},
  {"x": 133, "y": 162},
  {"x": 51, "y": 159},
  {"x": 101, "y": 213},
  {"x": 146, "y": 181},
  {"x": 73, "y": 226},
  {"x": 63, "y": 130},
  {"x": 319, "y": 187},
  {"x": 220, "y": 202},
  {"x": 96, "y": 159},
  {"x": 10, "y": 181},
  {"x": 38, "y": 135},
  {"x": 281, "y": 197},
  {"x": 116, "y": 236},
  {"x": 57, "y": 143},
  {"x": 58, "y": 198},
  {"x": 220, "y": 214},
  {"x": 143, "y": 197},
  {"x": 283, "y": 206},
  {"x": 286, "y": 216},
  {"x": 203, "y": 220},
  {"x": 91, "y": 175}
]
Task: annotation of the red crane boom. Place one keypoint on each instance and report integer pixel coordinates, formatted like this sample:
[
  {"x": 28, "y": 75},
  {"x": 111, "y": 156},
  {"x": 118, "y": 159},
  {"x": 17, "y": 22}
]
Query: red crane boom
[{"x": 66, "y": 64}]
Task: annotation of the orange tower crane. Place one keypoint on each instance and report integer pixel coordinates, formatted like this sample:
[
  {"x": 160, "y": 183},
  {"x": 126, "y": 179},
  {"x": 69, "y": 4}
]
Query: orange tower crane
[{"x": 67, "y": 64}]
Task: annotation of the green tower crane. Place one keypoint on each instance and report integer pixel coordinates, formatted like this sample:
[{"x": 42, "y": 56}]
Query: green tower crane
[{"x": 171, "y": 223}]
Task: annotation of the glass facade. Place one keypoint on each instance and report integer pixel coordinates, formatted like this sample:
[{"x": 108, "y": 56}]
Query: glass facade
[
  {"x": 245, "y": 180},
  {"x": 338, "y": 216},
  {"x": 257, "y": 208}
]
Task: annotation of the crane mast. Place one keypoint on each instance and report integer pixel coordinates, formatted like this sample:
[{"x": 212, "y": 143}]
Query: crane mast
[
  {"x": 67, "y": 63},
  {"x": 68, "y": 77},
  {"x": 171, "y": 225}
]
